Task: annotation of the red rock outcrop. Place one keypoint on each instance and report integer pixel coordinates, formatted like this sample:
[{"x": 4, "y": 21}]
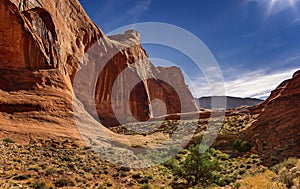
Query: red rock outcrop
[
  {"x": 37, "y": 43},
  {"x": 127, "y": 83},
  {"x": 45, "y": 45},
  {"x": 276, "y": 133}
]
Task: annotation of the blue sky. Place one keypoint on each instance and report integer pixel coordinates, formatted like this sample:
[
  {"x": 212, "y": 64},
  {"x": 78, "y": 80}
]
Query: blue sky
[{"x": 255, "y": 42}]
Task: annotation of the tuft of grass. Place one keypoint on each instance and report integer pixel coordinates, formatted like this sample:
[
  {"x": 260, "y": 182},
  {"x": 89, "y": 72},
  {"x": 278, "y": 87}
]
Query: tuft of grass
[
  {"x": 64, "y": 182},
  {"x": 42, "y": 185},
  {"x": 145, "y": 186},
  {"x": 8, "y": 140},
  {"x": 22, "y": 177},
  {"x": 261, "y": 181},
  {"x": 50, "y": 171}
]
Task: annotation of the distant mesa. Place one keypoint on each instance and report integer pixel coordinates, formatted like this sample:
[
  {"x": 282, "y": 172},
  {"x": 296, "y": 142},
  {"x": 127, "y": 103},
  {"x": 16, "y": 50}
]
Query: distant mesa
[{"x": 231, "y": 102}]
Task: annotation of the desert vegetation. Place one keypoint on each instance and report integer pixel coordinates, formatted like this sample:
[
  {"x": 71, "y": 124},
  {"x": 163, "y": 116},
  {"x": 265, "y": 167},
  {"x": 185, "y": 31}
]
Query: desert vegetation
[{"x": 64, "y": 164}]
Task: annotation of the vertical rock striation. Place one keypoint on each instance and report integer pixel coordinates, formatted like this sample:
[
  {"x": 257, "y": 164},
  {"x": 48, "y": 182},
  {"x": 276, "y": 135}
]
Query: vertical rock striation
[{"x": 45, "y": 46}]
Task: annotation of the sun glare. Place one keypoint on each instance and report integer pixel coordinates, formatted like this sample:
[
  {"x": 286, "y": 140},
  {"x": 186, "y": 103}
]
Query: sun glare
[{"x": 281, "y": 4}]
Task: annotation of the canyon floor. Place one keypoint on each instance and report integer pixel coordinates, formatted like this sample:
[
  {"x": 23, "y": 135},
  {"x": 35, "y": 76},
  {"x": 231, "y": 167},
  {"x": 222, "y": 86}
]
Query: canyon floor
[{"x": 63, "y": 163}]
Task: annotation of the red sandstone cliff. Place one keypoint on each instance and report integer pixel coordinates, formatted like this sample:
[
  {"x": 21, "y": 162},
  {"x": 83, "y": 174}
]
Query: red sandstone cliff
[
  {"x": 277, "y": 130},
  {"x": 43, "y": 49}
]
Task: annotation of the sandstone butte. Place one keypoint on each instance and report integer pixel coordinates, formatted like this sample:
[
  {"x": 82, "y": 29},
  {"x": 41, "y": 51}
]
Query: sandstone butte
[{"x": 56, "y": 64}]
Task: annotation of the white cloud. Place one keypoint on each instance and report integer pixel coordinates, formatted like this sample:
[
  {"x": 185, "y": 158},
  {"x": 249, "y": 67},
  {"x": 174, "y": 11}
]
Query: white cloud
[{"x": 256, "y": 84}]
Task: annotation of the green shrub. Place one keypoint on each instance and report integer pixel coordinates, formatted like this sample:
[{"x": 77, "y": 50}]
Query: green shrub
[
  {"x": 42, "y": 185},
  {"x": 242, "y": 171},
  {"x": 172, "y": 164},
  {"x": 146, "y": 186},
  {"x": 125, "y": 169},
  {"x": 34, "y": 168},
  {"x": 221, "y": 182},
  {"x": 199, "y": 167},
  {"x": 283, "y": 172},
  {"x": 286, "y": 177},
  {"x": 22, "y": 177},
  {"x": 108, "y": 184},
  {"x": 137, "y": 175},
  {"x": 144, "y": 180},
  {"x": 241, "y": 146},
  {"x": 51, "y": 171},
  {"x": 8, "y": 140},
  {"x": 64, "y": 182}
]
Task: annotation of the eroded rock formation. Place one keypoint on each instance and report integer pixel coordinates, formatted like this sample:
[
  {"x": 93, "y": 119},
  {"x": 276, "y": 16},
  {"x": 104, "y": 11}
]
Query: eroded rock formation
[
  {"x": 120, "y": 80},
  {"x": 276, "y": 132},
  {"x": 45, "y": 46}
]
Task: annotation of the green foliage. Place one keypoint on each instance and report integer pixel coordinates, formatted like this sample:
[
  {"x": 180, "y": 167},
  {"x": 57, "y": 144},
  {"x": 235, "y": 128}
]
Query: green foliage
[
  {"x": 50, "y": 171},
  {"x": 284, "y": 173},
  {"x": 42, "y": 185},
  {"x": 288, "y": 164},
  {"x": 172, "y": 164},
  {"x": 146, "y": 186},
  {"x": 8, "y": 140},
  {"x": 241, "y": 146},
  {"x": 34, "y": 168},
  {"x": 22, "y": 177},
  {"x": 65, "y": 182},
  {"x": 137, "y": 175},
  {"x": 125, "y": 169},
  {"x": 198, "y": 167}
]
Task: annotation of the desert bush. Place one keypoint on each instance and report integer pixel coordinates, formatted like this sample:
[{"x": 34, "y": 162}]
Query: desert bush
[
  {"x": 241, "y": 145},
  {"x": 145, "y": 186},
  {"x": 286, "y": 177},
  {"x": 22, "y": 177},
  {"x": 50, "y": 171},
  {"x": 285, "y": 171},
  {"x": 288, "y": 164},
  {"x": 199, "y": 167},
  {"x": 172, "y": 164},
  {"x": 261, "y": 181},
  {"x": 42, "y": 185},
  {"x": 137, "y": 175},
  {"x": 8, "y": 140},
  {"x": 34, "y": 168},
  {"x": 64, "y": 182},
  {"x": 125, "y": 169}
]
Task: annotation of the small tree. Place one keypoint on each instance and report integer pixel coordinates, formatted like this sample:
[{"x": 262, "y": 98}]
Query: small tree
[{"x": 199, "y": 167}]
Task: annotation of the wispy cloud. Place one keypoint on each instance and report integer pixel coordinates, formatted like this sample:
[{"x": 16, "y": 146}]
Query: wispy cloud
[
  {"x": 256, "y": 84},
  {"x": 295, "y": 22},
  {"x": 120, "y": 17},
  {"x": 294, "y": 59},
  {"x": 138, "y": 9}
]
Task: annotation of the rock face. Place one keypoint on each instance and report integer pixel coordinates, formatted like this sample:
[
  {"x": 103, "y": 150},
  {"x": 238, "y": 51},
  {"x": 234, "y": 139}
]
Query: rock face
[
  {"x": 125, "y": 86},
  {"x": 277, "y": 130},
  {"x": 44, "y": 34},
  {"x": 38, "y": 53},
  {"x": 48, "y": 49}
]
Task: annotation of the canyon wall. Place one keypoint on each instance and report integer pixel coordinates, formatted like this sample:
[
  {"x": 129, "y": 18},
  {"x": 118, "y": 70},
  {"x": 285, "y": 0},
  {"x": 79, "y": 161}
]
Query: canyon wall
[
  {"x": 276, "y": 132},
  {"x": 50, "y": 51}
]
